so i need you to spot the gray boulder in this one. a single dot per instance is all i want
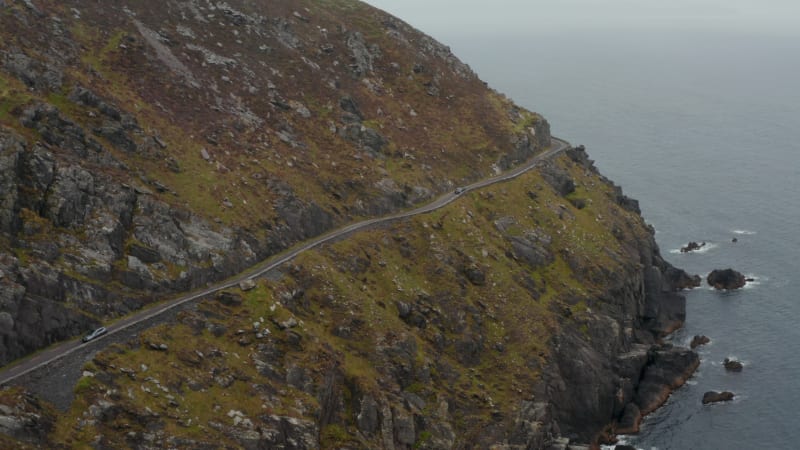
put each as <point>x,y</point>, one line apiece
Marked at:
<point>732,365</point>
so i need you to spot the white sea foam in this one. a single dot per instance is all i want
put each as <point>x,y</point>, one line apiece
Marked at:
<point>736,358</point>
<point>623,440</point>
<point>744,232</point>
<point>757,280</point>
<point>704,249</point>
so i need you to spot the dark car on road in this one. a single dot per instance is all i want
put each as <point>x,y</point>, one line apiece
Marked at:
<point>94,334</point>
<point>459,190</point>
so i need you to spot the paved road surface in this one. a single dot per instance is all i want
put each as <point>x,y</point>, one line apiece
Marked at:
<point>63,349</point>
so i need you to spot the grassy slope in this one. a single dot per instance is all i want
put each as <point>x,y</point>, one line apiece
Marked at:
<point>451,137</point>
<point>356,283</point>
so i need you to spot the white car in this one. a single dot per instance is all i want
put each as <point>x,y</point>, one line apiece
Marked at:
<point>94,334</point>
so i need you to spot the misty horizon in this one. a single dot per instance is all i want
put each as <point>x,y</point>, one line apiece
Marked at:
<point>444,18</point>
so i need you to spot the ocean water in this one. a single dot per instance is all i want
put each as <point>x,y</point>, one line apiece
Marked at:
<point>703,129</point>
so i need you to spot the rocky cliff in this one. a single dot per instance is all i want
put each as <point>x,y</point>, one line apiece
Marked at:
<point>152,148</point>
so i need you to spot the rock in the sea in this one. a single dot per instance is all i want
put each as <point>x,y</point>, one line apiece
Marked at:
<point>669,369</point>
<point>681,280</point>
<point>726,279</point>
<point>698,341</point>
<point>630,420</point>
<point>732,365</point>
<point>692,246</point>
<point>716,397</point>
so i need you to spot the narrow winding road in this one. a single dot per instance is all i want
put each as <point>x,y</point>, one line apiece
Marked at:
<point>64,349</point>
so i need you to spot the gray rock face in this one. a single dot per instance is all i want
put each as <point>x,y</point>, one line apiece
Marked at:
<point>32,72</point>
<point>349,105</point>
<point>534,427</point>
<point>144,254</point>
<point>367,138</point>
<point>368,418</point>
<point>531,252</point>
<point>620,372</point>
<point>404,433</point>
<point>362,55</point>
<point>87,218</point>
<point>559,180</point>
<point>526,143</point>
<point>24,421</point>
<point>116,133</point>
<point>287,432</point>
<point>86,97</point>
<point>667,369</point>
<point>58,131</point>
<point>71,196</point>
<point>10,151</point>
<point>30,319</point>
<point>303,220</point>
<point>282,30</point>
<point>531,246</point>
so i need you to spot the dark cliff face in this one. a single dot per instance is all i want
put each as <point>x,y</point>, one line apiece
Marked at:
<point>154,148</point>
<point>610,368</point>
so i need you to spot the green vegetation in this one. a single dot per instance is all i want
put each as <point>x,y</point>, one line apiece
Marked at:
<point>344,302</point>
<point>84,384</point>
<point>424,437</point>
<point>334,436</point>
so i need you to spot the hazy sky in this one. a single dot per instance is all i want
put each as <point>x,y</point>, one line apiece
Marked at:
<point>452,17</point>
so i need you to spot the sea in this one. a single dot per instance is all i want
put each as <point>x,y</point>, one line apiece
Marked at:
<point>703,128</point>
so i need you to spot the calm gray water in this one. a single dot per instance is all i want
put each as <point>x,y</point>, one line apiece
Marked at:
<point>703,129</point>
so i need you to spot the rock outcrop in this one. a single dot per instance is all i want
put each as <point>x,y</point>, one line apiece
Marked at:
<point>79,229</point>
<point>717,397</point>
<point>617,364</point>
<point>24,418</point>
<point>732,365</point>
<point>692,246</point>
<point>726,279</point>
<point>699,340</point>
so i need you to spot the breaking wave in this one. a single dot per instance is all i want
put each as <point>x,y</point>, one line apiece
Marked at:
<point>704,249</point>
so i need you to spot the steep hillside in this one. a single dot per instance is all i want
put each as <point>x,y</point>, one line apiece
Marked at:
<point>525,315</point>
<point>152,147</point>
<point>149,148</point>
